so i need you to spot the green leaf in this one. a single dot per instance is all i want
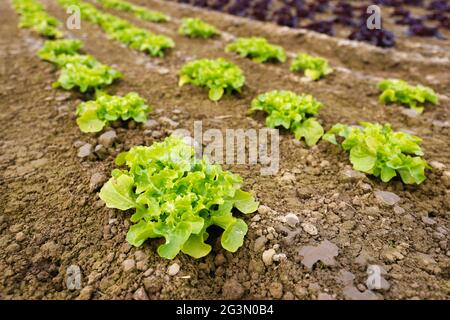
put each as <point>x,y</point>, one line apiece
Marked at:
<point>175,239</point>
<point>118,193</point>
<point>233,236</point>
<point>215,94</point>
<point>311,130</point>
<point>140,232</point>
<point>245,202</point>
<point>196,247</point>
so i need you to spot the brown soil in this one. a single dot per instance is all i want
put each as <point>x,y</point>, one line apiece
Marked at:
<point>50,219</point>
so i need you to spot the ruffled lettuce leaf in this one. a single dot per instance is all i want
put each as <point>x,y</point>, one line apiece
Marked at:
<point>378,150</point>
<point>177,197</point>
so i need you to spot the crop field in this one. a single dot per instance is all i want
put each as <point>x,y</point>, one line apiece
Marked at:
<point>224,149</point>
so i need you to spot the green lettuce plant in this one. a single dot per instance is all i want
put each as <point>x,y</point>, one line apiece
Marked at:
<point>77,70</point>
<point>399,91</point>
<point>86,73</point>
<point>219,75</point>
<point>34,16</point>
<point>177,197</point>
<point>141,12</point>
<point>93,115</point>
<point>122,30</point>
<point>378,150</point>
<point>313,67</point>
<point>258,49</point>
<point>59,48</point>
<point>197,28</point>
<point>291,111</point>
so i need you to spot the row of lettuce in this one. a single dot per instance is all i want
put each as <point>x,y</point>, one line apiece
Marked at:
<point>175,195</point>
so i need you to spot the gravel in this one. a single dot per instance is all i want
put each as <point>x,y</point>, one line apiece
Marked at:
<point>129,265</point>
<point>173,269</point>
<point>259,243</point>
<point>291,219</point>
<point>97,180</point>
<point>267,256</point>
<point>386,197</point>
<point>108,138</point>
<point>309,228</point>
<point>85,150</point>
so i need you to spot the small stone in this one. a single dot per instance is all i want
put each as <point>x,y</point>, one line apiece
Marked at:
<point>173,269</point>
<point>309,228</point>
<point>169,122</point>
<point>140,294</point>
<point>441,124</point>
<point>263,210</point>
<point>279,257</point>
<point>97,180</point>
<point>276,290</point>
<point>150,124</point>
<point>129,265</point>
<point>85,150</point>
<point>386,197</point>
<point>352,175</point>
<point>288,178</point>
<point>232,290</point>
<point>85,293</point>
<point>141,265</point>
<point>291,219</point>
<point>428,221</point>
<point>108,138</point>
<point>20,236</point>
<point>391,255</point>
<point>267,256</point>
<point>259,243</point>
<point>256,218</point>
<point>437,165</point>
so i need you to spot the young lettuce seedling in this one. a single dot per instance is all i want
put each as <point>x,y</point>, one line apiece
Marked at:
<point>94,115</point>
<point>314,67</point>
<point>257,49</point>
<point>196,28</point>
<point>291,111</point>
<point>219,75</point>
<point>77,70</point>
<point>122,30</point>
<point>33,16</point>
<point>177,197</point>
<point>140,12</point>
<point>378,150</point>
<point>394,90</point>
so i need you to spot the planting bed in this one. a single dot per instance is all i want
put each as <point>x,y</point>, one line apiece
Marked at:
<point>51,216</point>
